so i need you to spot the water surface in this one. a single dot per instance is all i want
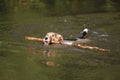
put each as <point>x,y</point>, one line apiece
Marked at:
<point>21,59</point>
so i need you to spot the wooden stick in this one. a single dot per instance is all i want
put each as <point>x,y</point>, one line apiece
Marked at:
<point>92,47</point>
<point>63,43</point>
<point>38,39</point>
<point>34,39</point>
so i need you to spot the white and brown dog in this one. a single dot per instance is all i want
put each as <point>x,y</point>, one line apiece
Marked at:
<point>52,37</point>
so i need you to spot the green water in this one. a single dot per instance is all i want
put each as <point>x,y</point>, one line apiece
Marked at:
<point>21,59</point>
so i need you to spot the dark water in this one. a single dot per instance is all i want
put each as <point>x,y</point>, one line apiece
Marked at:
<point>21,59</point>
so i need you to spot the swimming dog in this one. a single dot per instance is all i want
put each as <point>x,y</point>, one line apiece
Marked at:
<point>52,37</point>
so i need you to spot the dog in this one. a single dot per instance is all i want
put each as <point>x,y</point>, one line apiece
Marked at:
<point>84,33</point>
<point>52,37</point>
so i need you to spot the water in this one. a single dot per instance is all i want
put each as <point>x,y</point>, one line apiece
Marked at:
<point>21,59</point>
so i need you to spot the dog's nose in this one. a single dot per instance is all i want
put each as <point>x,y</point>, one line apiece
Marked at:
<point>46,38</point>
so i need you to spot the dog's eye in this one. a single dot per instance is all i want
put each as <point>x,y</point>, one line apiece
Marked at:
<point>53,35</point>
<point>46,38</point>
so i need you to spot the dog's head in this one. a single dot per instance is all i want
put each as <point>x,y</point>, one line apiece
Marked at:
<point>52,37</point>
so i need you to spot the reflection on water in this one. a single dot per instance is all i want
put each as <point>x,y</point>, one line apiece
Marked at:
<point>30,60</point>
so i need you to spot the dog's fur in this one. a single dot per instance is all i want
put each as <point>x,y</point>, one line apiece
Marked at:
<point>52,37</point>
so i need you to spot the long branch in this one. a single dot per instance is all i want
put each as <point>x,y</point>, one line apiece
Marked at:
<point>63,43</point>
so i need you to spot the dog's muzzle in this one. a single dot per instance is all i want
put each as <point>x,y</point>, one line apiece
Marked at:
<point>46,40</point>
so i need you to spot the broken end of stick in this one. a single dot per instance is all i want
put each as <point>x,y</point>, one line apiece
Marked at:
<point>29,38</point>
<point>26,37</point>
<point>106,50</point>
